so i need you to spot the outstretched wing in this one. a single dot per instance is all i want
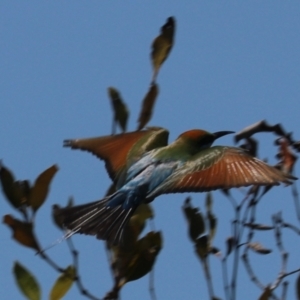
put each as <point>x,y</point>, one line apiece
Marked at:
<point>120,151</point>
<point>221,168</point>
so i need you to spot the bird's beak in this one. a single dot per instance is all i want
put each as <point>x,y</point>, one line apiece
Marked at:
<point>219,134</point>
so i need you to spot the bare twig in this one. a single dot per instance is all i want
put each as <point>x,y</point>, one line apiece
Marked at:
<point>151,285</point>
<point>77,277</point>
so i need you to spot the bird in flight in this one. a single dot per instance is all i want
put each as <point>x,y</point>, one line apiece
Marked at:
<point>143,166</point>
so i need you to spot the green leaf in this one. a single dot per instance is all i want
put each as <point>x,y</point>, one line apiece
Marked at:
<point>142,262</point>
<point>26,282</point>
<point>63,284</point>
<point>143,212</point>
<point>119,107</point>
<point>22,232</point>
<point>147,106</point>
<point>16,192</point>
<point>162,45</point>
<point>40,189</point>
<point>136,225</point>
<point>195,220</point>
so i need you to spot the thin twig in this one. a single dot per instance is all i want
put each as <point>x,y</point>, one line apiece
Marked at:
<point>77,278</point>
<point>225,278</point>
<point>284,255</point>
<point>285,285</point>
<point>151,285</point>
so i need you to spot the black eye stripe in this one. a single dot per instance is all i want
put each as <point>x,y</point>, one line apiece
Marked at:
<point>207,140</point>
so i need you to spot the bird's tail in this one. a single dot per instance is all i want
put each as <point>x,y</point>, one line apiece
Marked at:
<point>98,218</point>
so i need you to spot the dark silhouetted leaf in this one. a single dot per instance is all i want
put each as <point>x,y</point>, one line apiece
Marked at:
<point>26,282</point>
<point>298,287</point>
<point>147,106</point>
<point>286,156</point>
<point>162,45</point>
<point>55,217</point>
<point>16,192</point>
<point>22,232</point>
<point>266,295</point>
<point>230,243</point>
<point>261,126</point>
<point>195,220</point>
<point>202,247</point>
<point>40,189</point>
<point>136,225</point>
<point>142,262</point>
<point>212,221</point>
<point>208,202</point>
<point>259,226</point>
<point>258,248</point>
<point>119,107</point>
<point>250,145</point>
<point>215,251</point>
<point>63,284</point>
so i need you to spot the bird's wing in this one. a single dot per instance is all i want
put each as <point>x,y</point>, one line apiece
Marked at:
<point>120,151</point>
<point>221,168</point>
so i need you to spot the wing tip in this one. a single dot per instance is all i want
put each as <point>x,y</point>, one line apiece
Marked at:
<point>69,143</point>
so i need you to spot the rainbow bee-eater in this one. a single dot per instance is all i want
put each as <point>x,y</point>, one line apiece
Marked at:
<point>143,166</point>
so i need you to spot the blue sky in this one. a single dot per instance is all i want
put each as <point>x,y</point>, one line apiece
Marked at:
<point>233,63</point>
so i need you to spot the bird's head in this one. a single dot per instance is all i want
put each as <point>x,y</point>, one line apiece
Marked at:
<point>201,139</point>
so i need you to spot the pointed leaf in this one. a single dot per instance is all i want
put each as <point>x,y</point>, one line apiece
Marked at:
<point>230,243</point>
<point>195,220</point>
<point>136,225</point>
<point>147,106</point>
<point>143,212</point>
<point>63,284</point>
<point>26,282</point>
<point>266,295</point>
<point>22,232</point>
<point>16,192</point>
<point>208,201</point>
<point>212,220</point>
<point>142,263</point>
<point>40,188</point>
<point>258,248</point>
<point>259,226</point>
<point>119,107</point>
<point>162,45</point>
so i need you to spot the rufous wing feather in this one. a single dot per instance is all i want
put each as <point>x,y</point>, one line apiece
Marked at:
<point>221,167</point>
<point>118,150</point>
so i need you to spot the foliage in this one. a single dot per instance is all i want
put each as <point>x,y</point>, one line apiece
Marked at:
<point>136,257</point>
